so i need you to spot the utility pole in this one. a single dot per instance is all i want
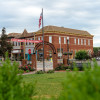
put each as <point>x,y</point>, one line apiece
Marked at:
<point>68,50</point>
<point>43,42</point>
<point>60,49</point>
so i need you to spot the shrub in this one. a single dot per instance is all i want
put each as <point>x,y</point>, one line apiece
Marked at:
<point>82,85</point>
<point>80,66</point>
<point>82,55</point>
<point>29,64</point>
<point>68,69</point>
<point>32,69</point>
<point>27,71</point>
<point>61,67</point>
<point>11,85</point>
<point>27,67</point>
<point>40,72</point>
<point>20,71</point>
<point>50,71</point>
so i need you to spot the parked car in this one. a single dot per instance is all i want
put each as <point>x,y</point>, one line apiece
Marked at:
<point>98,58</point>
<point>80,66</point>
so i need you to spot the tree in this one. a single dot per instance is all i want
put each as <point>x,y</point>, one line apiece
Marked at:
<point>82,86</point>
<point>4,44</point>
<point>81,55</point>
<point>12,86</point>
<point>96,51</point>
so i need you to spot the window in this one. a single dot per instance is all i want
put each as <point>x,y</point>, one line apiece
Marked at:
<point>28,43</point>
<point>88,42</point>
<point>84,42</point>
<point>19,43</point>
<point>64,40</point>
<point>59,40</point>
<point>78,41</point>
<point>58,49</point>
<point>16,43</point>
<point>13,43</point>
<point>38,38</point>
<point>42,38</point>
<point>50,39</point>
<point>75,41</point>
<point>31,43</point>
<point>81,41</point>
<point>68,40</point>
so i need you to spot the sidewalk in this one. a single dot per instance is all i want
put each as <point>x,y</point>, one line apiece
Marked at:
<point>29,73</point>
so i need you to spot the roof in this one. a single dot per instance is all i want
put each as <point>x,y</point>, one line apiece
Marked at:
<point>13,34</point>
<point>51,29</point>
<point>21,35</point>
<point>63,30</point>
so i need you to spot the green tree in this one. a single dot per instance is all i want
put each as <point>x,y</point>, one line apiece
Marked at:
<point>11,85</point>
<point>95,50</point>
<point>4,44</point>
<point>81,55</point>
<point>82,85</point>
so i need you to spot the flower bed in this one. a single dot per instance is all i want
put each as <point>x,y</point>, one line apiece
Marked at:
<point>61,67</point>
<point>26,68</point>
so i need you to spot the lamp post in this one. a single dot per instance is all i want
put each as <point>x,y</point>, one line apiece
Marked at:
<point>60,49</point>
<point>68,50</point>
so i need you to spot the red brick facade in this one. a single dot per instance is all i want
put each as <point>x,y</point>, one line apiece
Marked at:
<point>72,46</point>
<point>78,40</point>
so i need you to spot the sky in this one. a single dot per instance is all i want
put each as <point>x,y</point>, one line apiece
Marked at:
<point>17,15</point>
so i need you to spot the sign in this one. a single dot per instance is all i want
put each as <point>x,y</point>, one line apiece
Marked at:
<point>23,40</point>
<point>59,54</point>
<point>16,51</point>
<point>29,51</point>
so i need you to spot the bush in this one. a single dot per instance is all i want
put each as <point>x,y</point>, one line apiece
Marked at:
<point>11,85</point>
<point>40,72</point>
<point>32,69</point>
<point>50,71</point>
<point>61,67</point>
<point>68,69</point>
<point>82,85</point>
<point>27,71</point>
<point>80,66</point>
<point>20,71</point>
<point>82,55</point>
<point>26,67</point>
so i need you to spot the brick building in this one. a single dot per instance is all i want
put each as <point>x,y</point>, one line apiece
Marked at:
<point>63,39</point>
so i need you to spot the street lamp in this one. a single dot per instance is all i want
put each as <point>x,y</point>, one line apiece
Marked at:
<point>68,50</point>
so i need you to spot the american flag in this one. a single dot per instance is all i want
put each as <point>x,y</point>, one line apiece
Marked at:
<point>40,20</point>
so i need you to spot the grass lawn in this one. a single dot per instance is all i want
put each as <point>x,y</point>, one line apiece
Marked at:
<point>47,85</point>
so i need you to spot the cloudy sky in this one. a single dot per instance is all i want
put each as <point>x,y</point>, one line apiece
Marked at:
<point>16,15</point>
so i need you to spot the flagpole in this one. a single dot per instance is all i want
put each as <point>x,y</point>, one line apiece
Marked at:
<point>43,42</point>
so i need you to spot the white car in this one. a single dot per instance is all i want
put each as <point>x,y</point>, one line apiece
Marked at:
<point>98,58</point>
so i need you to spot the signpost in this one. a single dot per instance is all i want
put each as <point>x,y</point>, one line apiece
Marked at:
<point>29,51</point>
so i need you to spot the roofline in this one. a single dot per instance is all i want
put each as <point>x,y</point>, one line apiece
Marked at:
<point>67,33</point>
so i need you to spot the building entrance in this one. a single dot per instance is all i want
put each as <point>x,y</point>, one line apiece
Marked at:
<point>54,55</point>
